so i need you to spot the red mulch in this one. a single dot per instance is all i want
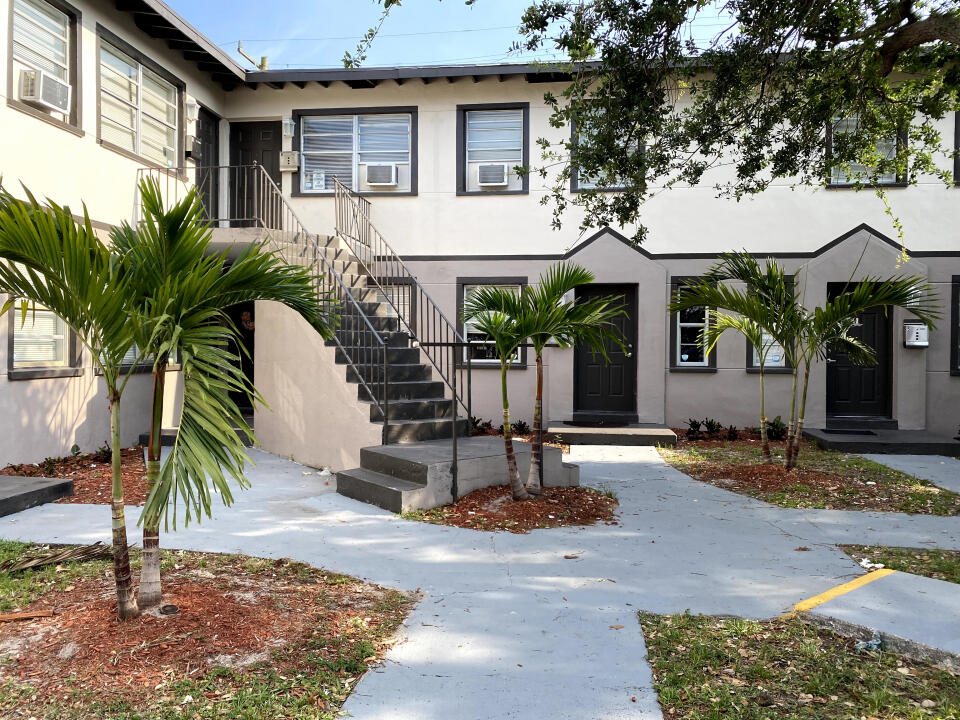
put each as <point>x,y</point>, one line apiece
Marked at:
<point>493,508</point>
<point>227,617</point>
<point>91,475</point>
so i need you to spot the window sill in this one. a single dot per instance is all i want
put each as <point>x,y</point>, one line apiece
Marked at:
<point>140,369</point>
<point>178,173</point>
<point>678,369</point>
<point>578,190</point>
<point>42,373</point>
<point>865,186</point>
<point>491,366</point>
<point>492,193</point>
<point>40,115</point>
<point>770,371</point>
<point>362,193</point>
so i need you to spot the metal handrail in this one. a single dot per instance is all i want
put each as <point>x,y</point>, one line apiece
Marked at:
<point>255,200</point>
<point>418,312</point>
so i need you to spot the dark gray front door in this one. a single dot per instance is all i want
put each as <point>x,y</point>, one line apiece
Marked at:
<point>252,143</point>
<point>858,390</point>
<point>606,390</point>
<point>208,176</point>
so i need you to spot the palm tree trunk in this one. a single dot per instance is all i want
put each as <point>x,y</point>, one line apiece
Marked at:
<point>794,450</point>
<point>793,412</point>
<point>764,440</point>
<point>126,602</point>
<point>151,590</point>
<point>536,449</point>
<point>516,486</point>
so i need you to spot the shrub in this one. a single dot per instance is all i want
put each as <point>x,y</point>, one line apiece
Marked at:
<point>732,432</point>
<point>713,427</point>
<point>693,428</point>
<point>520,427</point>
<point>776,429</point>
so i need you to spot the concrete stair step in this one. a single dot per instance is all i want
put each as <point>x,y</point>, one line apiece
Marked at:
<point>396,372</point>
<point>428,408</point>
<point>408,390</point>
<point>353,322</point>
<point>19,493</point>
<point>394,354</point>
<point>384,491</point>
<point>406,431</point>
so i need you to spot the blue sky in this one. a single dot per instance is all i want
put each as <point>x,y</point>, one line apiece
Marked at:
<point>315,33</point>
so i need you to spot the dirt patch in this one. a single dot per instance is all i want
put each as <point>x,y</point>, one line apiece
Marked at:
<point>91,475</point>
<point>493,508</point>
<point>83,649</point>
<point>822,478</point>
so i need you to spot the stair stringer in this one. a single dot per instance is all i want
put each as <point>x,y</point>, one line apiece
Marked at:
<point>313,414</point>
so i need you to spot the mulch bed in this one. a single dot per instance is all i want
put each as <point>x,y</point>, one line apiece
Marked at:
<point>525,437</point>
<point>493,508</point>
<point>91,475</point>
<point>228,617</point>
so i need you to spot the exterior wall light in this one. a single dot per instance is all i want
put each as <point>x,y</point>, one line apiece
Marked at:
<point>193,110</point>
<point>289,127</point>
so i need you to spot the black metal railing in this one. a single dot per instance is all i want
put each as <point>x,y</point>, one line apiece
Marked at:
<point>419,315</point>
<point>252,199</point>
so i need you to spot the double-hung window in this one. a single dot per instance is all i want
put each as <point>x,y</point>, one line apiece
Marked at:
<point>955,326</point>
<point>775,356</point>
<point>482,350</point>
<point>493,144</point>
<point>367,152</point>
<point>688,345</point>
<point>43,37</point>
<point>139,109</point>
<point>579,180</point>
<point>41,340</point>
<point>850,173</point>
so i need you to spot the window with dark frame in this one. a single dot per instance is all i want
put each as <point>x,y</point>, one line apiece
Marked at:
<point>843,176</point>
<point>44,38</point>
<point>578,181</point>
<point>776,361</point>
<point>688,347</point>
<point>482,352</point>
<point>39,344</point>
<point>492,143</point>
<point>955,326</point>
<point>368,151</point>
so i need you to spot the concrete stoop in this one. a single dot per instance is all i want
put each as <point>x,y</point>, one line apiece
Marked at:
<point>19,493</point>
<point>632,434</point>
<point>416,476</point>
<point>886,441</point>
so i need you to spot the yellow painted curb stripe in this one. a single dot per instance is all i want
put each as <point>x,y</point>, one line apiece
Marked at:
<point>839,590</point>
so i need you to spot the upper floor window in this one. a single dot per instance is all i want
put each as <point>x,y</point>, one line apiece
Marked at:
<point>41,340</point>
<point>849,174</point>
<point>493,144</point>
<point>367,152</point>
<point>44,58</point>
<point>139,109</point>
<point>688,348</point>
<point>579,180</point>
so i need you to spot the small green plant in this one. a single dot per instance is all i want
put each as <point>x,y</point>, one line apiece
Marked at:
<point>732,432</point>
<point>49,466</point>
<point>713,427</point>
<point>607,492</point>
<point>103,452</point>
<point>75,450</point>
<point>776,429</point>
<point>693,428</point>
<point>520,427</point>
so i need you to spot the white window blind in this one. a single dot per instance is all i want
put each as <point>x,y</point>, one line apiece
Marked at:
<point>482,349</point>
<point>341,146</point>
<point>41,340</point>
<point>691,347</point>
<point>857,172</point>
<point>138,108</point>
<point>775,355</point>
<point>41,37</point>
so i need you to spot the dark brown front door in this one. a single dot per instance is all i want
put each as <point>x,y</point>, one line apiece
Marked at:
<point>208,175</point>
<point>606,390</point>
<point>861,390</point>
<point>252,143</point>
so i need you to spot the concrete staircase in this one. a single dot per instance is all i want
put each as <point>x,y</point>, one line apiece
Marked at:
<point>416,406</point>
<point>416,476</point>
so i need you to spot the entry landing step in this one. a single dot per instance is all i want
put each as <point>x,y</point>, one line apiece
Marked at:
<point>19,493</point>
<point>894,442</point>
<point>632,434</point>
<point>416,476</point>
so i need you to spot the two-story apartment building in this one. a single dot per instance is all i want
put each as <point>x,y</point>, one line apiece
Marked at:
<point>433,150</point>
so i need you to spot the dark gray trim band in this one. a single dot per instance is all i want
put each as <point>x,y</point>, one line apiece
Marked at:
<point>955,326</point>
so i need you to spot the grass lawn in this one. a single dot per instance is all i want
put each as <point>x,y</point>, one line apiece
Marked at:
<point>822,478</point>
<point>937,564</point>
<point>712,668</point>
<point>254,639</point>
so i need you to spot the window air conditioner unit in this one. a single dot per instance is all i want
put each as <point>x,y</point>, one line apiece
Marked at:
<point>492,175</point>
<point>43,89</point>
<point>384,174</point>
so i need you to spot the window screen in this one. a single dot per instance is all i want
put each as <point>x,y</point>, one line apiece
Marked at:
<point>856,172</point>
<point>481,348</point>
<point>41,340</point>
<point>41,37</point>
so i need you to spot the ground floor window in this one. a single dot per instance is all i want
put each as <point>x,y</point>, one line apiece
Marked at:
<point>688,348</point>
<point>955,326</point>
<point>39,340</point>
<point>776,358</point>
<point>481,350</point>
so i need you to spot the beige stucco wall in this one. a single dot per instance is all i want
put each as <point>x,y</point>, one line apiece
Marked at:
<point>314,416</point>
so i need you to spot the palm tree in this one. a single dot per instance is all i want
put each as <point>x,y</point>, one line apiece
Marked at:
<point>495,311</point>
<point>546,317</point>
<point>181,291</point>
<point>57,263</point>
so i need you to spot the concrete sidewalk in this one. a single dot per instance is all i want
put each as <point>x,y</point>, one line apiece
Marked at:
<point>938,469</point>
<point>509,627</point>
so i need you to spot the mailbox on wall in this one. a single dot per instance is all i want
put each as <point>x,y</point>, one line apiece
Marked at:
<point>915,334</point>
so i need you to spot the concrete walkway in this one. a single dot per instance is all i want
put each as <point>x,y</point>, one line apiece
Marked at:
<point>509,628</point>
<point>938,469</point>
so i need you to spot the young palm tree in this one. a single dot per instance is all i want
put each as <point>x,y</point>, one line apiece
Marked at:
<point>55,262</point>
<point>181,290</point>
<point>546,317</point>
<point>495,311</point>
